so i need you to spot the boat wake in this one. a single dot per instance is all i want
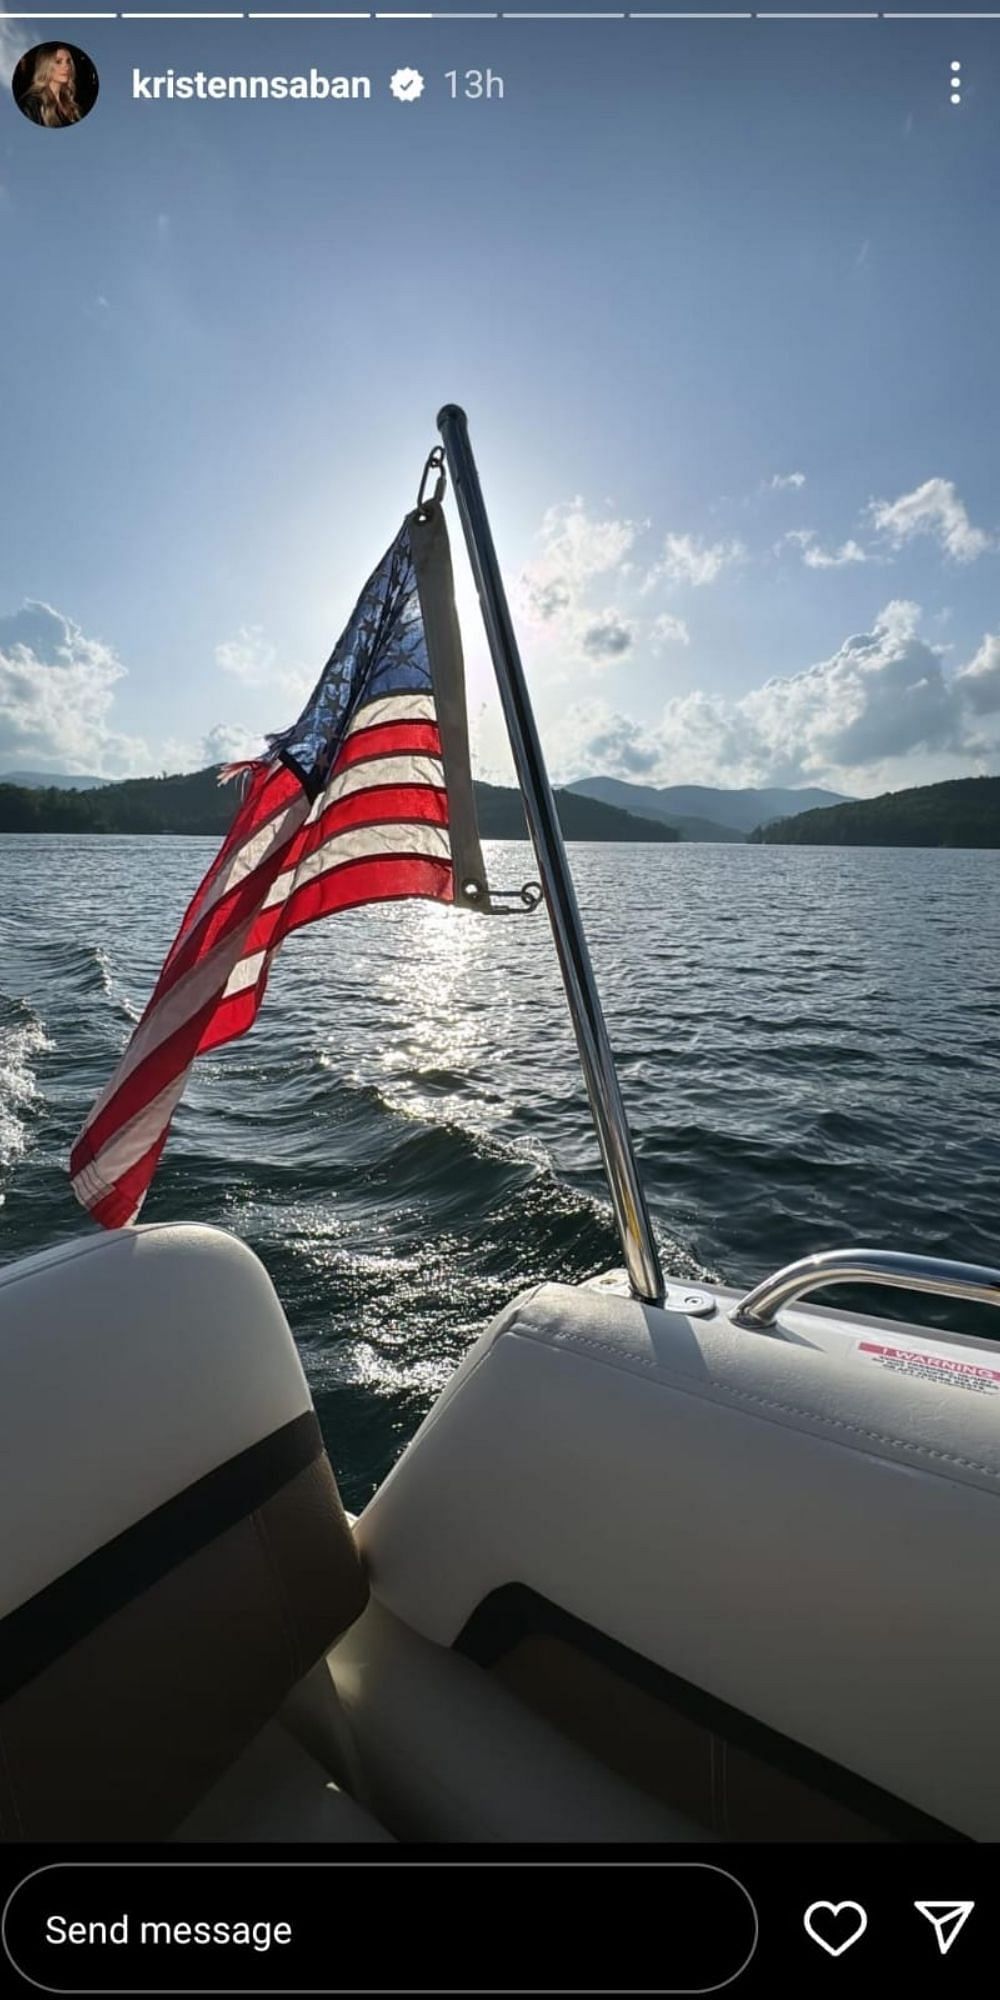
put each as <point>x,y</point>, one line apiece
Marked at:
<point>22,1039</point>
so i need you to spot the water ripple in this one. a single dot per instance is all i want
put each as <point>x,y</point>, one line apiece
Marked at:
<point>807,1041</point>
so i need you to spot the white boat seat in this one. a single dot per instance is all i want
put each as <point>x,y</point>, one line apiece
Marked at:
<point>277,1791</point>
<point>182,1558</point>
<point>786,1534</point>
<point>449,1755</point>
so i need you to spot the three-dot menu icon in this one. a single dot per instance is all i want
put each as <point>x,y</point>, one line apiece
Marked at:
<point>955,79</point>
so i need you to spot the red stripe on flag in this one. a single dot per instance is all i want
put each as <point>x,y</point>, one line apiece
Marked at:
<point>364,807</point>
<point>371,806</point>
<point>235,1015</point>
<point>273,924</point>
<point>117,1207</point>
<point>343,887</point>
<point>234,907</point>
<point>374,805</point>
<point>389,739</point>
<point>175,1053</point>
<point>271,792</point>
<point>387,880</point>
<point>347,886</point>
<point>424,803</point>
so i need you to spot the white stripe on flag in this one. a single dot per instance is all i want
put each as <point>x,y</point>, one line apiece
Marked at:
<point>88,1185</point>
<point>372,771</point>
<point>360,843</point>
<point>187,996</point>
<point>131,1141</point>
<point>215,973</point>
<point>275,832</point>
<point>245,974</point>
<point>392,708</point>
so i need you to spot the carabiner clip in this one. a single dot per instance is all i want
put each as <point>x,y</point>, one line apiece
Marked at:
<point>435,463</point>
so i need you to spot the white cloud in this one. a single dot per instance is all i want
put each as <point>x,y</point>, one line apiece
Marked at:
<point>979,682</point>
<point>57,688</point>
<point>230,743</point>
<point>690,559</point>
<point>546,597</point>
<point>607,635</point>
<point>882,694</point>
<point>932,509</point>
<point>576,549</point>
<point>599,742</point>
<point>848,552</point>
<point>815,557</point>
<point>669,631</point>
<point>782,482</point>
<point>179,753</point>
<point>249,657</point>
<point>579,551</point>
<point>582,547</point>
<point>850,721</point>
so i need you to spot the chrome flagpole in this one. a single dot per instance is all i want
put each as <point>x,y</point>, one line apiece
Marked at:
<point>631,1214</point>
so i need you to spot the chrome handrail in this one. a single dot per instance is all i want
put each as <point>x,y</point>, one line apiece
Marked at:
<point>866,1267</point>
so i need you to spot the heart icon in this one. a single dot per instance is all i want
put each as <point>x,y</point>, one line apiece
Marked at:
<point>829,1914</point>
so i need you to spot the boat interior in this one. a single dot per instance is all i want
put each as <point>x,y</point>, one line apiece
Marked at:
<point>706,1571</point>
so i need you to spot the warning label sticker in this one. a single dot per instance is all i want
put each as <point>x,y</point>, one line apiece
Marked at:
<point>932,1367</point>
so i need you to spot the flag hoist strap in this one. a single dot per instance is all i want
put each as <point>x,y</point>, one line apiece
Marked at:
<point>435,584</point>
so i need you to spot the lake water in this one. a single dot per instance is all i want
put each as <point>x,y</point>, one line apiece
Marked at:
<point>807,1040</point>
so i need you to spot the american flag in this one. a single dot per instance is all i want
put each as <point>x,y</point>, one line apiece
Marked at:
<point>367,799</point>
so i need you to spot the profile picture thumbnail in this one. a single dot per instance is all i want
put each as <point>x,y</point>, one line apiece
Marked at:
<point>55,84</point>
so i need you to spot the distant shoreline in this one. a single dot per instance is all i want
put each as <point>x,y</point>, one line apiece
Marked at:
<point>202,833</point>
<point>522,840</point>
<point>958,813</point>
<point>194,803</point>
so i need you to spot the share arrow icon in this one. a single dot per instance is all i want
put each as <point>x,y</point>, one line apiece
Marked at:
<point>947,1919</point>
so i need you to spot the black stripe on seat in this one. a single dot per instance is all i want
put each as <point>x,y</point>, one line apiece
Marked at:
<point>46,1625</point>
<point>515,1611</point>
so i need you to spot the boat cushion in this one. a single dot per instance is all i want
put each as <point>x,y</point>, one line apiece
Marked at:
<point>277,1791</point>
<point>182,1556</point>
<point>773,1520</point>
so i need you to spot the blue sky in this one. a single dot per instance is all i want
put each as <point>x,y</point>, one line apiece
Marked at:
<point>722,301</point>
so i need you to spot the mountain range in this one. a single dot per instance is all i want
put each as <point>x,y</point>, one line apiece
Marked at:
<point>53,781</point>
<point>704,812</point>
